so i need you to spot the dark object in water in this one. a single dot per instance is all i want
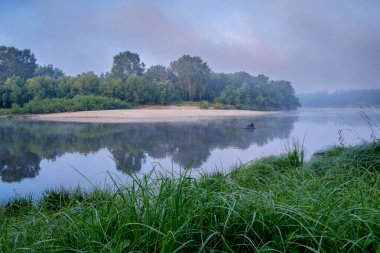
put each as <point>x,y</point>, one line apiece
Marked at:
<point>250,126</point>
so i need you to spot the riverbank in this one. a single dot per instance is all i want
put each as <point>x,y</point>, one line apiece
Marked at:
<point>278,203</point>
<point>145,114</point>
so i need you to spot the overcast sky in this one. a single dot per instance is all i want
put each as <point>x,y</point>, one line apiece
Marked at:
<point>317,45</point>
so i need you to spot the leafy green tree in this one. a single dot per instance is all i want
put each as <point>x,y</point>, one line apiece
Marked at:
<point>238,78</point>
<point>244,93</point>
<point>159,73</point>
<point>5,96</point>
<point>18,94</point>
<point>217,82</point>
<point>15,62</point>
<point>126,64</point>
<point>41,87</point>
<point>192,74</point>
<point>64,87</point>
<point>115,88</point>
<point>262,80</point>
<point>49,70</point>
<point>85,84</point>
<point>167,93</point>
<point>289,100</point>
<point>139,91</point>
<point>229,96</point>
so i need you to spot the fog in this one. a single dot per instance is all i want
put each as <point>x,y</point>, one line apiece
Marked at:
<point>346,98</point>
<point>317,45</point>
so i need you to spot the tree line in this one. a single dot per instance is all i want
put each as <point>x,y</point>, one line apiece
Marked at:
<point>25,85</point>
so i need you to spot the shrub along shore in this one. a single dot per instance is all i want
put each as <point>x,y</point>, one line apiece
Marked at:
<point>277,204</point>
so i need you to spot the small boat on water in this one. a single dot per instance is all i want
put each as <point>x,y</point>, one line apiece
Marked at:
<point>250,126</point>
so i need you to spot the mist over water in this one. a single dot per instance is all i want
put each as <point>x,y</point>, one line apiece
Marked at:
<point>35,156</point>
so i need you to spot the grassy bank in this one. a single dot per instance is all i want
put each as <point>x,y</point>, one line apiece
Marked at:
<point>277,204</point>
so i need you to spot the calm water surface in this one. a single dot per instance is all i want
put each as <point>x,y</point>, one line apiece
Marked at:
<point>35,156</point>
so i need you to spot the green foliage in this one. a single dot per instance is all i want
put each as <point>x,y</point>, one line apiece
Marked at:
<point>257,93</point>
<point>40,87</point>
<point>49,70</point>
<point>13,92</point>
<point>204,104</point>
<point>218,106</point>
<point>126,64</point>
<point>115,88</point>
<point>18,207</point>
<point>78,103</point>
<point>85,84</point>
<point>139,91</point>
<point>15,62</point>
<point>158,73</point>
<point>269,205</point>
<point>166,93</point>
<point>187,79</point>
<point>192,74</point>
<point>65,87</point>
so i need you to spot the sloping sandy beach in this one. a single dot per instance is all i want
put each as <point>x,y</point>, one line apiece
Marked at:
<point>147,114</point>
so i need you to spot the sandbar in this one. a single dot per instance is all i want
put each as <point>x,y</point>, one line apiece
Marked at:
<point>146,114</point>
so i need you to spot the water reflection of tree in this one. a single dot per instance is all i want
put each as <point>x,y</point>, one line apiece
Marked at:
<point>24,144</point>
<point>15,167</point>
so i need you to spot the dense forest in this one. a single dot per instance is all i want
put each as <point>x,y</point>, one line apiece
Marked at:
<point>26,87</point>
<point>341,98</point>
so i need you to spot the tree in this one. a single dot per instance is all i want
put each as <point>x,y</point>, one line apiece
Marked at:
<point>41,87</point>
<point>86,83</point>
<point>49,70</point>
<point>159,73</point>
<point>15,62</point>
<point>217,82</point>
<point>138,90</point>
<point>126,64</point>
<point>17,91</point>
<point>5,96</point>
<point>114,88</point>
<point>65,84</point>
<point>262,79</point>
<point>166,93</point>
<point>230,96</point>
<point>192,74</point>
<point>238,78</point>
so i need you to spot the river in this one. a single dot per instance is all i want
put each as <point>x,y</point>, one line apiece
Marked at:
<point>35,156</point>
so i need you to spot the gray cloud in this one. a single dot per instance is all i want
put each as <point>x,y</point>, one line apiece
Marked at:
<point>316,45</point>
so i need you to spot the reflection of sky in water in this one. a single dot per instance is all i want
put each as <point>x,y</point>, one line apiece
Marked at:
<point>213,145</point>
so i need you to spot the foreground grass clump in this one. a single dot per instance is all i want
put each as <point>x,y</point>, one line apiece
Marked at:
<point>277,204</point>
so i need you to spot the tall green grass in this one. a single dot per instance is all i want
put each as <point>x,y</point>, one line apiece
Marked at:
<point>277,204</point>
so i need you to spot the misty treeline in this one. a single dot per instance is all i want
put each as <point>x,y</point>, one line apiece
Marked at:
<point>340,98</point>
<point>27,87</point>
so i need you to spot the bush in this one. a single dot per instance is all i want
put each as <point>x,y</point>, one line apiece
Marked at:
<point>78,103</point>
<point>204,104</point>
<point>218,106</point>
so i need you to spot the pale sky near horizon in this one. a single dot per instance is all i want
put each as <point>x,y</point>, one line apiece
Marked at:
<point>317,44</point>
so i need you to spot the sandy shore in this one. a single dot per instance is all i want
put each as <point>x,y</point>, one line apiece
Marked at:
<point>147,114</point>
